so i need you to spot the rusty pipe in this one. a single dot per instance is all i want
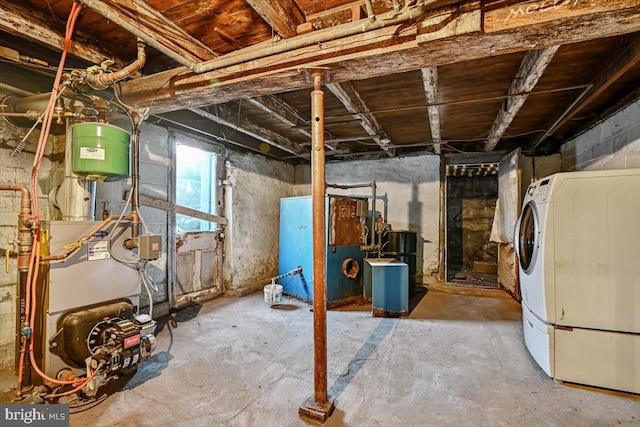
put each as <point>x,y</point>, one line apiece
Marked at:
<point>74,246</point>
<point>103,80</point>
<point>25,236</point>
<point>318,189</point>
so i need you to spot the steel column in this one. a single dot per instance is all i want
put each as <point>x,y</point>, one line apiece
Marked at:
<point>319,241</point>
<point>318,407</point>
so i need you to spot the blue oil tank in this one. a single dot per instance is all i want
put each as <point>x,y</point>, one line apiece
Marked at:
<point>296,249</point>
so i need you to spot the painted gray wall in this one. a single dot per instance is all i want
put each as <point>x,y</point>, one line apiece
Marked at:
<point>253,188</point>
<point>612,144</point>
<point>408,195</point>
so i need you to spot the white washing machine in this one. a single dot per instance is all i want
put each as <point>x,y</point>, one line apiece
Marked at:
<point>578,246</point>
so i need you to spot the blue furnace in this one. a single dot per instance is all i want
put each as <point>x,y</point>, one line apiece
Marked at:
<point>343,214</point>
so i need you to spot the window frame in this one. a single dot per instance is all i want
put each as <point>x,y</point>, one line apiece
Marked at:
<point>209,146</point>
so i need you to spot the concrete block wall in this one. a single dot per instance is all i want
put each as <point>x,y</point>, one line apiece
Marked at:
<point>253,188</point>
<point>612,144</point>
<point>16,170</point>
<point>408,195</point>
<point>155,170</point>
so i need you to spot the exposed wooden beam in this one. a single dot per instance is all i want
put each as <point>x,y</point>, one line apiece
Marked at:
<point>39,28</point>
<point>283,16</point>
<point>281,111</point>
<point>287,114</point>
<point>155,29</point>
<point>172,207</point>
<point>190,122</point>
<point>430,83</point>
<point>372,54</point>
<point>350,98</point>
<point>616,69</point>
<point>530,71</point>
<point>529,12</point>
<point>224,116</point>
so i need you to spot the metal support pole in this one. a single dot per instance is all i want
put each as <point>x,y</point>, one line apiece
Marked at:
<point>318,407</point>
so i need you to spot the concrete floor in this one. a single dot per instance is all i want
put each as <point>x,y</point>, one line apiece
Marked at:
<point>458,359</point>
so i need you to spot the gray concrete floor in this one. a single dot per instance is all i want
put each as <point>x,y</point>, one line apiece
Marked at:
<point>458,359</point>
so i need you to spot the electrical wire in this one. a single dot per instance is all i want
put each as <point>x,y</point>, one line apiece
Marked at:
<point>146,286</point>
<point>115,226</point>
<point>78,388</point>
<point>30,311</point>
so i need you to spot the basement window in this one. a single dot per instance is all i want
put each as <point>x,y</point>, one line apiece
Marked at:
<point>196,186</point>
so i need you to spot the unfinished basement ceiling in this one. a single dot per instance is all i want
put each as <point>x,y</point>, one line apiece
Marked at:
<point>458,76</point>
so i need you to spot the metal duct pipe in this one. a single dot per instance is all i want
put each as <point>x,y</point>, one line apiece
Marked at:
<point>28,103</point>
<point>24,111</point>
<point>312,38</point>
<point>25,237</point>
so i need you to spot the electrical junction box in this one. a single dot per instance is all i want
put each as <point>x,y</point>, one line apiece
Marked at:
<point>149,247</point>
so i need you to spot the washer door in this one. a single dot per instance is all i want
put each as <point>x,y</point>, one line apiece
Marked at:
<point>527,237</point>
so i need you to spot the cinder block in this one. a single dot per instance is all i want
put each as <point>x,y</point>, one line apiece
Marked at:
<point>619,143</point>
<point>152,173</point>
<point>157,191</point>
<point>633,161</point>
<point>632,147</point>
<point>614,162</point>
<point>602,150</point>
<point>152,134</point>
<point>155,153</point>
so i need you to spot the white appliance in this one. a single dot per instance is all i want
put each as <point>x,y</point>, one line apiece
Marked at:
<point>578,246</point>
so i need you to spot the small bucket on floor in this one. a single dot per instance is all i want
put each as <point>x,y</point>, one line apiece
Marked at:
<point>273,293</point>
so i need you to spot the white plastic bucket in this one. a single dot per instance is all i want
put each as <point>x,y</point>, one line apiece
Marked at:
<point>273,294</point>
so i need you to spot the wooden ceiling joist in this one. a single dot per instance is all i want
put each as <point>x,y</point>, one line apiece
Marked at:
<point>283,16</point>
<point>287,114</point>
<point>155,29</point>
<point>370,55</point>
<point>231,119</point>
<point>620,65</point>
<point>352,101</point>
<point>531,69</point>
<point>430,83</point>
<point>281,111</point>
<point>40,28</point>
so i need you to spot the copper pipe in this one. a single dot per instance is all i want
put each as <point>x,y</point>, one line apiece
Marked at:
<point>25,236</point>
<point>318,187</point>
<point>74,246</point>
<point>104,80</point>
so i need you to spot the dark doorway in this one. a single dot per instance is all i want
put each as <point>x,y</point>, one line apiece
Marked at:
<point>471,256</point>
